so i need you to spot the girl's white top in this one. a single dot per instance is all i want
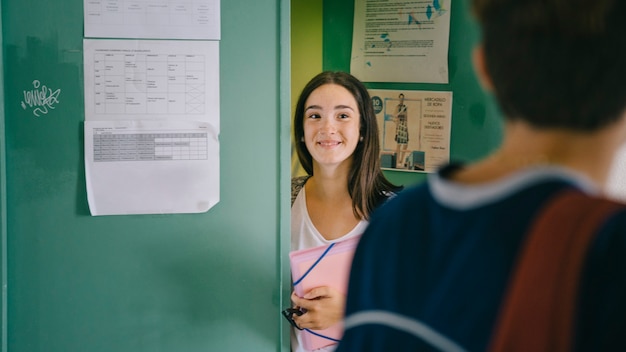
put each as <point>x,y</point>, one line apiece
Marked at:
<point>305,235</point>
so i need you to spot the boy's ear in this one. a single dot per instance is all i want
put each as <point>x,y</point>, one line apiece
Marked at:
<point>480,67</point>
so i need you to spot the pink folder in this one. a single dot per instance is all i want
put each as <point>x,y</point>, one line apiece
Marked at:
<point>327,265</point>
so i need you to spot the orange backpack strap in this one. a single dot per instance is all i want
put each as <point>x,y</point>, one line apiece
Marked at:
<point>538,311</point>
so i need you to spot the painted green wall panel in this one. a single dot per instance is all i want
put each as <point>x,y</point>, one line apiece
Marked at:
<point>306,54</point>
<point>3,212</point>
<point>187,282</point>
<point>476,124</point>
<point>306,43</point>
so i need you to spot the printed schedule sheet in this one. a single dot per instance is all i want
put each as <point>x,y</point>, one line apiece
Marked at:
<point>151,126</point>
<point>154,19</point>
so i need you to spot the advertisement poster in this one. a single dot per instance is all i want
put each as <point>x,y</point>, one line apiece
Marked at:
<point>414,128</point>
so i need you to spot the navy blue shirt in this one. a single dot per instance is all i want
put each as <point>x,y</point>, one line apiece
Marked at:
<point>430,270</point>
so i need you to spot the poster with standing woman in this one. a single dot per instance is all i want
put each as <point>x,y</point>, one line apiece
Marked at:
<point>414,128</point>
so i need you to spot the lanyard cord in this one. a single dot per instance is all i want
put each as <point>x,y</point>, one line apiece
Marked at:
<point>320,335</point>
<point>314,264</point>
<point>302,278</point>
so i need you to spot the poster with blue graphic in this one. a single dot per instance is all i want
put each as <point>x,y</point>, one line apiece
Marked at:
<point>401,41</point>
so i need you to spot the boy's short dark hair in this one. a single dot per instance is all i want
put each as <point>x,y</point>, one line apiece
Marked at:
<point>556,63</point>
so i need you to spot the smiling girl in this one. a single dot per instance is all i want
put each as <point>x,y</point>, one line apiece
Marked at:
<point>337,142</point>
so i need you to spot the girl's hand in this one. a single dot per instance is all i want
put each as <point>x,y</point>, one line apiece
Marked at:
<point>324,307</point>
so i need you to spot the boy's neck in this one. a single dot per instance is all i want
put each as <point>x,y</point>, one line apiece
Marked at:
<point>525,146</point>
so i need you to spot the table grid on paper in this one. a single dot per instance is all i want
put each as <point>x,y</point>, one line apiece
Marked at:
<point>150,146</point>
<point>137,83</point>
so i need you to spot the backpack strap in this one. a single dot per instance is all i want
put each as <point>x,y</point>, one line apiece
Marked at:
<point>538,311</point>
<point>296,185</point>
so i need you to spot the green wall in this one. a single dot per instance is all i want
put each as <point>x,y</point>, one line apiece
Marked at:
<point>3,213</point>
<point>476,124</point>
<point>306,54</point>
<point>214,281</point>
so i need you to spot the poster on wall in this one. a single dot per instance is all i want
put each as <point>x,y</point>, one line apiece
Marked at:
<point>414,128</point>
<point>152,115</point>
<point>152,19</point>
<point>151,126</point>
<point>401,41</point>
